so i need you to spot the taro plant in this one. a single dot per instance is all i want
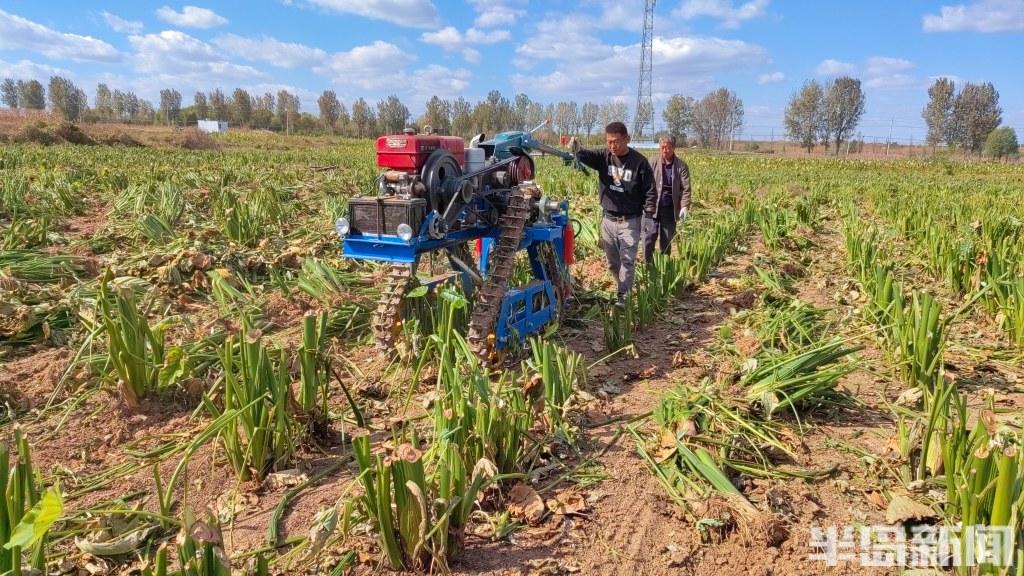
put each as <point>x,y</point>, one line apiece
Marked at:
<point>314,380</point>
<point>27,515</point>
<point>562,373</point>
<point>420,517</point>
<point>256,382</point>
<point>135,349</point>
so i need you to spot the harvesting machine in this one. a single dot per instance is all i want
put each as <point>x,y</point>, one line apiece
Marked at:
<point>434,197</point>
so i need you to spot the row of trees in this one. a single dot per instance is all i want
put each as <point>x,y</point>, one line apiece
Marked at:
<point>825,113</point>
<point>816,113</point>
<point>713,120</point>
<point>963,119</point>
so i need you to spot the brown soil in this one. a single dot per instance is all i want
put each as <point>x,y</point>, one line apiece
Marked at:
<point>628,526</point>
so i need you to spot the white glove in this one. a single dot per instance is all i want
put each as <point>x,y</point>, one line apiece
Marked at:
<point>682,213</point>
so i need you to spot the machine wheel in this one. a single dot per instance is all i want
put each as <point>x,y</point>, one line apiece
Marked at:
<point>488,301</point>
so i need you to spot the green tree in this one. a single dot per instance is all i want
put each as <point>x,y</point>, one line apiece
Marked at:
<point>437,115</point>
<point>9,93</point>
<point>717,116</point>
<point>976,113</point>
<point>66,99</point>
<point>218,105</point>
<point>200,106</point>
<point>844,107</point>
<point>805,115</point>
<point>170,105</point>
<point>462,117</point>
<point>678,115</point>
<point>241,107</point>
<point>364,120</point>
<point>1001,143</point>
<point>392,115</point>
<point>938,114</point>
<point>31,95</point>
<point>104,102</point>
<point>330,109</point>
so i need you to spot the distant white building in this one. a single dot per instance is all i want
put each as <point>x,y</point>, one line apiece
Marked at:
<point>213,126</point>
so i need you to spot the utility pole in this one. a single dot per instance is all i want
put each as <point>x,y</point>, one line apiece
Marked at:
<point>644,101</point>
<point>889,139</point>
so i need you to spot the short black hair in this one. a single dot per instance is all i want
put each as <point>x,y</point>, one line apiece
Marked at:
<point>616,128</point>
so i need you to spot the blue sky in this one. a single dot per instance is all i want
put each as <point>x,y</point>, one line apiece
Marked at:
<point>556,50</point>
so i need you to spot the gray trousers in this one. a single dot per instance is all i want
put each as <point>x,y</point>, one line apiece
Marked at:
<point>620,240</point>
<point>654,230</point>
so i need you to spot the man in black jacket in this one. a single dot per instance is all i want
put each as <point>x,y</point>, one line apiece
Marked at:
<point>627,192</point>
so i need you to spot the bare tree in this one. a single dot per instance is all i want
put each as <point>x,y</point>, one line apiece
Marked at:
<point>566,118</point>
<point>844,107</point>
<point>614,111</point>
<point>805,115</point>
<point>588,117</point>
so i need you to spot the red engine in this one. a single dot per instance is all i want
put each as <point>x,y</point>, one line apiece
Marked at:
<point>408,152</point>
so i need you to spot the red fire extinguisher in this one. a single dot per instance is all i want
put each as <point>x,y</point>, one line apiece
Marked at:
<point>568,241</point>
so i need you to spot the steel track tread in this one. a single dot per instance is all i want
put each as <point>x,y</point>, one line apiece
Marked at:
<point>487,304</point>
<point>387,318</point>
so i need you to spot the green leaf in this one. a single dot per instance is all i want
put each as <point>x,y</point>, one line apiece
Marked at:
<point>417,292</point>
<point>174,368</point>
<point>37,521</point>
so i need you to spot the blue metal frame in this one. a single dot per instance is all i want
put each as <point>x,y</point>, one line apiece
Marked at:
<point>520,315</point>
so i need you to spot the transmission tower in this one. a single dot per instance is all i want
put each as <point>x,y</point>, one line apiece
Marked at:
<point>644,113</point>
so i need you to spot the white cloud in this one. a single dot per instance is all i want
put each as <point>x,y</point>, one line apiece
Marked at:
<point>683,65</point>
<point>885,72</point>
<point>832,67</point>
<point>28,70</point>
<point>451,40</point>
<point>492,13</point>
<point>884,66</point>
<point>892,81</point>
<point>118,24</point>
<point>173,54</point>
<point>271,50</point>
<point>370,67</point>
<point>191,17</point>
<point>411,13</point>
<point>981,16</point>
<point>17,33</point>
<point>771,78</point>
<point>440,81</point>
<point>722,10</point>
